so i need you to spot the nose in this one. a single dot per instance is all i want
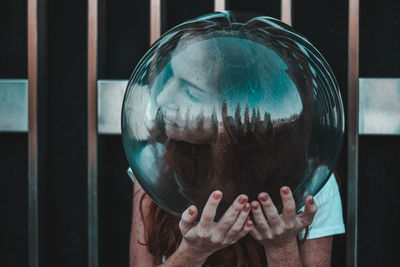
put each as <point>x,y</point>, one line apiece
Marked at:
<point>170,95</point>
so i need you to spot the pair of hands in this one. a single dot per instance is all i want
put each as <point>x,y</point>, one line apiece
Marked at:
<point>271,229</point>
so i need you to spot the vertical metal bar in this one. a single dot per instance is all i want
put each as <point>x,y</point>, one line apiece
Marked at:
<point>286,11</point>
<point>33,207</point>
<point>93,237</point>
<point>353,99</point>
<point>219,5</point>
<point>155,20</point>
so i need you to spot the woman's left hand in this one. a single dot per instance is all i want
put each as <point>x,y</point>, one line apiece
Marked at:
<point>275,230</point>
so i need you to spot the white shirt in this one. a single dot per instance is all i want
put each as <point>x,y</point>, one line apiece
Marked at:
<point>329,218</point>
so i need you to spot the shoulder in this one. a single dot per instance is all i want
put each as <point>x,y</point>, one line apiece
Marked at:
<point>329,191</point>
<point>329,218</point>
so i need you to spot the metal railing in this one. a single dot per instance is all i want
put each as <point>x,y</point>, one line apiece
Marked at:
<point>369,112</point>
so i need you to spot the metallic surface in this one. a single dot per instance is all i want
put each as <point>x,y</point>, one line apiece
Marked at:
<point>33,207</point>
<point>286,11</point>
<point>93,237</point>
<point>378,112</point>
<point>219,5</point>
<point>352,154</point>
<point>155,20</point>
<point>13,105</point>
<point>110,97</point>
<point>379,106</point>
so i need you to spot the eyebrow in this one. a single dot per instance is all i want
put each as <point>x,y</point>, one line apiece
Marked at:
<point>192,84</point>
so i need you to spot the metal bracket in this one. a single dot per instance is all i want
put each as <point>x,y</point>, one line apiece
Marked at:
<point>379,105</point>
<point>13,105</point>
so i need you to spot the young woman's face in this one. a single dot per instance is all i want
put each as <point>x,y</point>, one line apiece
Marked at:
<point>204,73</point>
<point>189,98</point>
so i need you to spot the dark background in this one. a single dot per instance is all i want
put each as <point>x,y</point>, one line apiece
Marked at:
<point>124,36</point>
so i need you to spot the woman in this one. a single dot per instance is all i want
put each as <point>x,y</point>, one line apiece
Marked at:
<point>206,150</point>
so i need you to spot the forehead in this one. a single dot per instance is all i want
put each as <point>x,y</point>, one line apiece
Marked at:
<point>196,61</point>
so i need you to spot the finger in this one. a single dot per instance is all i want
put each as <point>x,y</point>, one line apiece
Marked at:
<point>248,224</point>
<point>259,217</point>
<point>269,209</point>
<point>237,226</point>
<point>289,206</point>
<point>255,233</point>
<point>187,219</point>
<point>231,214</point>
<point>210,208</point>
<point>306,217</point>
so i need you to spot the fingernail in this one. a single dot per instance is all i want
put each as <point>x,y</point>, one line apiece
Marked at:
<point>191,211</point>
<point>246,207</point>
<point>242,199</point>
<point>254,205</point>
<point>217,195</point>
<point>312,201</point>
<point>263,197</point>
<point>285,190</point>
<point>249,223</point>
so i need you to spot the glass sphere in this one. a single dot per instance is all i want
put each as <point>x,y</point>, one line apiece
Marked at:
<point>233,102</point>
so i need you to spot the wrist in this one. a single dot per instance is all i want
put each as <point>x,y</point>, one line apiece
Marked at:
<point>290,244</point>
<point>287,253</point>
<point>196,257</point>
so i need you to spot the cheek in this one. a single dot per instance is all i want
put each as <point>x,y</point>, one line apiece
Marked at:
<point>170,97</point>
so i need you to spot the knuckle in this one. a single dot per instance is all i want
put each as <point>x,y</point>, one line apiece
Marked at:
<point>278,231</point>
<point>290,208</point>
<point>315,209</point>
<point>290,225</point>
<point>226,242</point>
<point>263,225</point>
<point>237,208</point>
<point>257,214</point>
<point>222,227</point>
<point>309,220</point>
<point>208,215</point>
<point>269,236</point>
<point>230,219</point>
<point>267,204</point>
<point>181,224</point>
<point>216,239</point>
<point>184,219</point>
<point>235,230</point>
<point>202,234</point>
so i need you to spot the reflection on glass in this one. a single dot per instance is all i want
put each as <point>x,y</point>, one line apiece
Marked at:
<point>231,102</point>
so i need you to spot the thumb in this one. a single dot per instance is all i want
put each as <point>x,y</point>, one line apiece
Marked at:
<point>187,219</point>
<point>307,216</point>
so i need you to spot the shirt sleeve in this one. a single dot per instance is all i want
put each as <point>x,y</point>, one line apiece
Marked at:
<point>329,218</point>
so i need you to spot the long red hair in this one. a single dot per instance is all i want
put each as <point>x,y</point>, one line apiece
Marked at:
<point>237,161</point>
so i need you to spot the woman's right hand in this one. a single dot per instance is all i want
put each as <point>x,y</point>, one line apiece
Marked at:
<point>205,237</point>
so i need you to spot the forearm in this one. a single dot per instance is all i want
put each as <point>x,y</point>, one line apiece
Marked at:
<point>288,256</point>
<point>185,257</point>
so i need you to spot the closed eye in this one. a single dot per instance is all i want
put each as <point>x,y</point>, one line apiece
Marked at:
<point>191,96</point>
<point>192,85</point>
<point>191,90</point>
